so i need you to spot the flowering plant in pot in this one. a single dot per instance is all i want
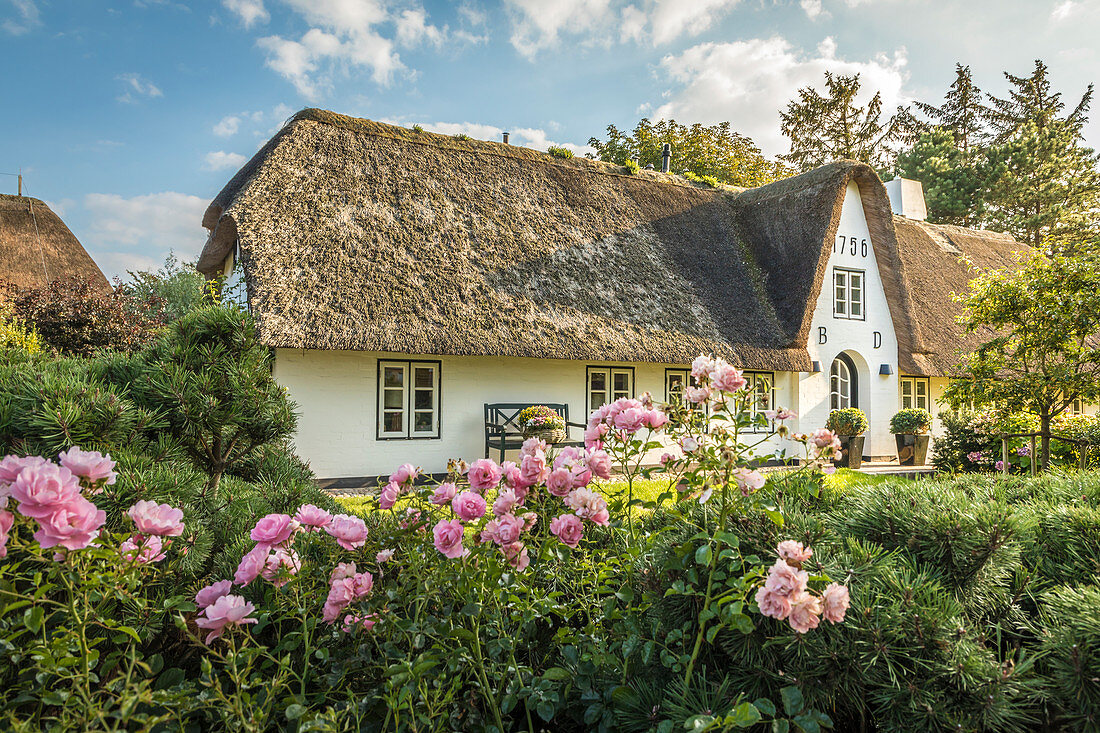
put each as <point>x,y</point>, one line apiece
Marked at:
<point>910,428</point>
<point>849,424</point>
<point>539,421</point>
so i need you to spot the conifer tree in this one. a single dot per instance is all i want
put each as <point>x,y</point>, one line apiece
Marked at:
<point>953,182</point>
<point>832,127</point>
<point>1030,100</point>
<point>962,113</point>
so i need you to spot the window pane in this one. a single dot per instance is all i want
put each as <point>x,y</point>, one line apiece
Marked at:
<point>424,399</point>
<point>425,377</point>
<point>393,376</point>
<point>622,381</point>
<point>597,381</point>
<point>422,422</point>
<point>597,399</point>
<point>922,388</point>
<point>906,402</point>
<point>393,399</point>
<point>907,386</point>
<point>393,422</point>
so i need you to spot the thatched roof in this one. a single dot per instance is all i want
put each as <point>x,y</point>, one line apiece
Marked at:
<point>37,248</point>
<point>358,235</point>
<point>940,261</point>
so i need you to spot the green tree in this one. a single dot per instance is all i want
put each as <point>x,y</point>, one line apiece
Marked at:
<point>832,127</point>
<point>175,289</point>
<point>714,150</point>
<point>954,184</point>
<point>962,113</point>
<point>1043,349</point>
<point>210,378</point>
<point>1030,100</point>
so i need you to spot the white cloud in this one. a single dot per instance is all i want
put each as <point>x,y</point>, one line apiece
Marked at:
<point>26,18</point>
<point>747,82</point>
<point>540,24</point>
<point>227,126</point>
<point>124,233</point>
<point>249,12</point>
<point>413,29</point>
<point>1064,10</point>
<point>220,160</point>
<point>136,86</point>
<point>812,8</point>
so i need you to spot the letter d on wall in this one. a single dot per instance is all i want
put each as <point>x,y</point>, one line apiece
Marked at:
<point>878,340</point>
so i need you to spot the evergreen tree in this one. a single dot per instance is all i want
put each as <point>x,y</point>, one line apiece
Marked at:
<point>716,151</point>
<point>962,112</point>
<point>953,183</point>
<point>827,128</point>
<point>1031,100</point>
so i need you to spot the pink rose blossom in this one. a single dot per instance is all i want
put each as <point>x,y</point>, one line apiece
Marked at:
<point>630,420</point>
<point>781,414</point>
<point>12,466</point>
<point>655,419</point>
<point>509,473</point>
<point>785,580</point>
<point>389,495</point>
<point>469,506</point>
<point>311,516</point>
<point>73,526</point>
<point>824,443</point>
<point>160,519</point>
<point>533,447</point>
<point>533,469</point>
<point>697,395</point>
<point>516,553</point>
<point>352,622</point>
<point>345,590</point>
<point>836,602</point>
<point>793,552</point>
<point>251,565</point>
<point>748,480</point>
<point>773,604</point>
<point>529,520</point>
<point>506,501</point>
<point>443,494</point>
<point>350,532</point>
<point>7,519</point>
<point>43,488</point>
<point>484,474</point>
<point>448,538</point>
<point>508,529</point>
<point>93,466</point>
<point>805,610</point>
<point>383,556</point>
<point>702,367</point>
<point>213,592</point>
<point>689,444</point>
<point>280,566</point>
<point>559,482</point>
<point>412,519</point>
<point>142,550</point>
<point>274,529</point>
<point>342,570</point>
<point>223,613</point>
<point>568,528</point>
<point>599,463</point>
<point>489,532</point>
<point>594,435</point>
<point>726,378</point>
<point>588,505</point>
<point>406,474</point>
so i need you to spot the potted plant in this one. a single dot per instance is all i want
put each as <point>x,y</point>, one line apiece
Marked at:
<point>539,421</point>
<point>910,429</point>
<point>849,424</point>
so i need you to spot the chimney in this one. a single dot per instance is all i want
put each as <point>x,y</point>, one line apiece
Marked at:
<point>666,157</point>
<point>505,138</point>
<point>907,198</point>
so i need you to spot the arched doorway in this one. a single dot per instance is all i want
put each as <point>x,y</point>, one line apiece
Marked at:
<point>843,383</point>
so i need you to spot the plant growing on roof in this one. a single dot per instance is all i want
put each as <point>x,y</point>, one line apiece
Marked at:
<point>558,151</point>
<point>417,128</point>
<point>848,421</point>
<point>910,421</point>
<point>631,167</point>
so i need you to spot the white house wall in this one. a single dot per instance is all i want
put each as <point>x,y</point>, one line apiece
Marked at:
<point>336,393</point>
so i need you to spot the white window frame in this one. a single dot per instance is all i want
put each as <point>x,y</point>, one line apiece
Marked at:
<point>673,375</point>
<point>610,393</point>
<point>408,409</point>
<point>914,396</point>
<point>836,399</point>
<point>761,384</point>
<point>845,280</point>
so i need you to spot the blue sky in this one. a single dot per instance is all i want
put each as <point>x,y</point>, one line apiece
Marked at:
<point>129,116</point>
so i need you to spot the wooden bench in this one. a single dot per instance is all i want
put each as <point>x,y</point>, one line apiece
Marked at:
<point>502,432</point>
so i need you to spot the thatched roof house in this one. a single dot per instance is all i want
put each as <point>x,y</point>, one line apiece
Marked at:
<point>37,248</point>
<point>357,236</point>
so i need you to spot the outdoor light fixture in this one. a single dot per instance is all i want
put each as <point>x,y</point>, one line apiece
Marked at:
<point>815,367</point>
<point>885,370</point>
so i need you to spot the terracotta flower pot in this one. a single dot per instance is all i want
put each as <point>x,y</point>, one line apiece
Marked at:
<point>851,451</point>
<point>912,449</point>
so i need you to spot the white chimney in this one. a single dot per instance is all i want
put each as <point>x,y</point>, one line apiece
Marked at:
<point>907,198</point>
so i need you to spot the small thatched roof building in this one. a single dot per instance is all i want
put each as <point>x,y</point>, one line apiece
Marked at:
<point>37,248</point>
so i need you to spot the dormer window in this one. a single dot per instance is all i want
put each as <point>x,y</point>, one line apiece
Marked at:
<point>848,298</point>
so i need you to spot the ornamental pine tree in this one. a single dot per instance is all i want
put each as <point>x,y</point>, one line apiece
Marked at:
<point>826,128</point>
<point>962,113</point>
<point>953,182</point>
<point>1031,100</point>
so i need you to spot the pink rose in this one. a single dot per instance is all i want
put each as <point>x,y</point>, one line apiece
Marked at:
<point>309,515</point>
<point>697,395</point>
<point>631,419</point>
<point>484,474</point>
<point>781,414</point>
<point>785,580</point>
<point>793,552</point>
<point>568,528</point>
<point>489,532</point>
<point>516,553</point>
<point>352,622</point>
<point>93,466</point>
<point>43,488</point>
<point>559,482</point>
<point>824,443</point>
<point>506,501</point>
<point>599,463</point>
<point>213,592</point>
<point>805,609</point>
<point>223,613</point>
<point>509,473</point>
<point>469,506</point>
<point>412,519</point>
<point>702,367</point>
<point>160,519</point>
<point>725,378</point>
<point>533,447</point>
<point>142,550</point>
<point>350,532</point>
<point>689,444</point>
<point>773,604</point>
<point>533,469</point>
<point>836,602</point>
<point>274,529</point>
<point>406,474</point>
<point>529,520</point>
<point>589,505</point>
<point>655,419</point>
<point>251,565</point>
<point>343,591</point>
<point>443,494</point>
<point>748,480</point>
<point>508,529</point>
<point>389,495</point>
<point>448,538</point>
<point>280,566</point>
<point>383,556</point>
<point>73,526</point>
<point>12,466</point>
<point>594,435</point>
<point>7,519</point>
<point>342,570</point>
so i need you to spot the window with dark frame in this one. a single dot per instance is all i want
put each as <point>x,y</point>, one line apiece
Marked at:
<point>607,384</point>
<point>408,399</point>
<point>848,294</point>
<point>762,386</point>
